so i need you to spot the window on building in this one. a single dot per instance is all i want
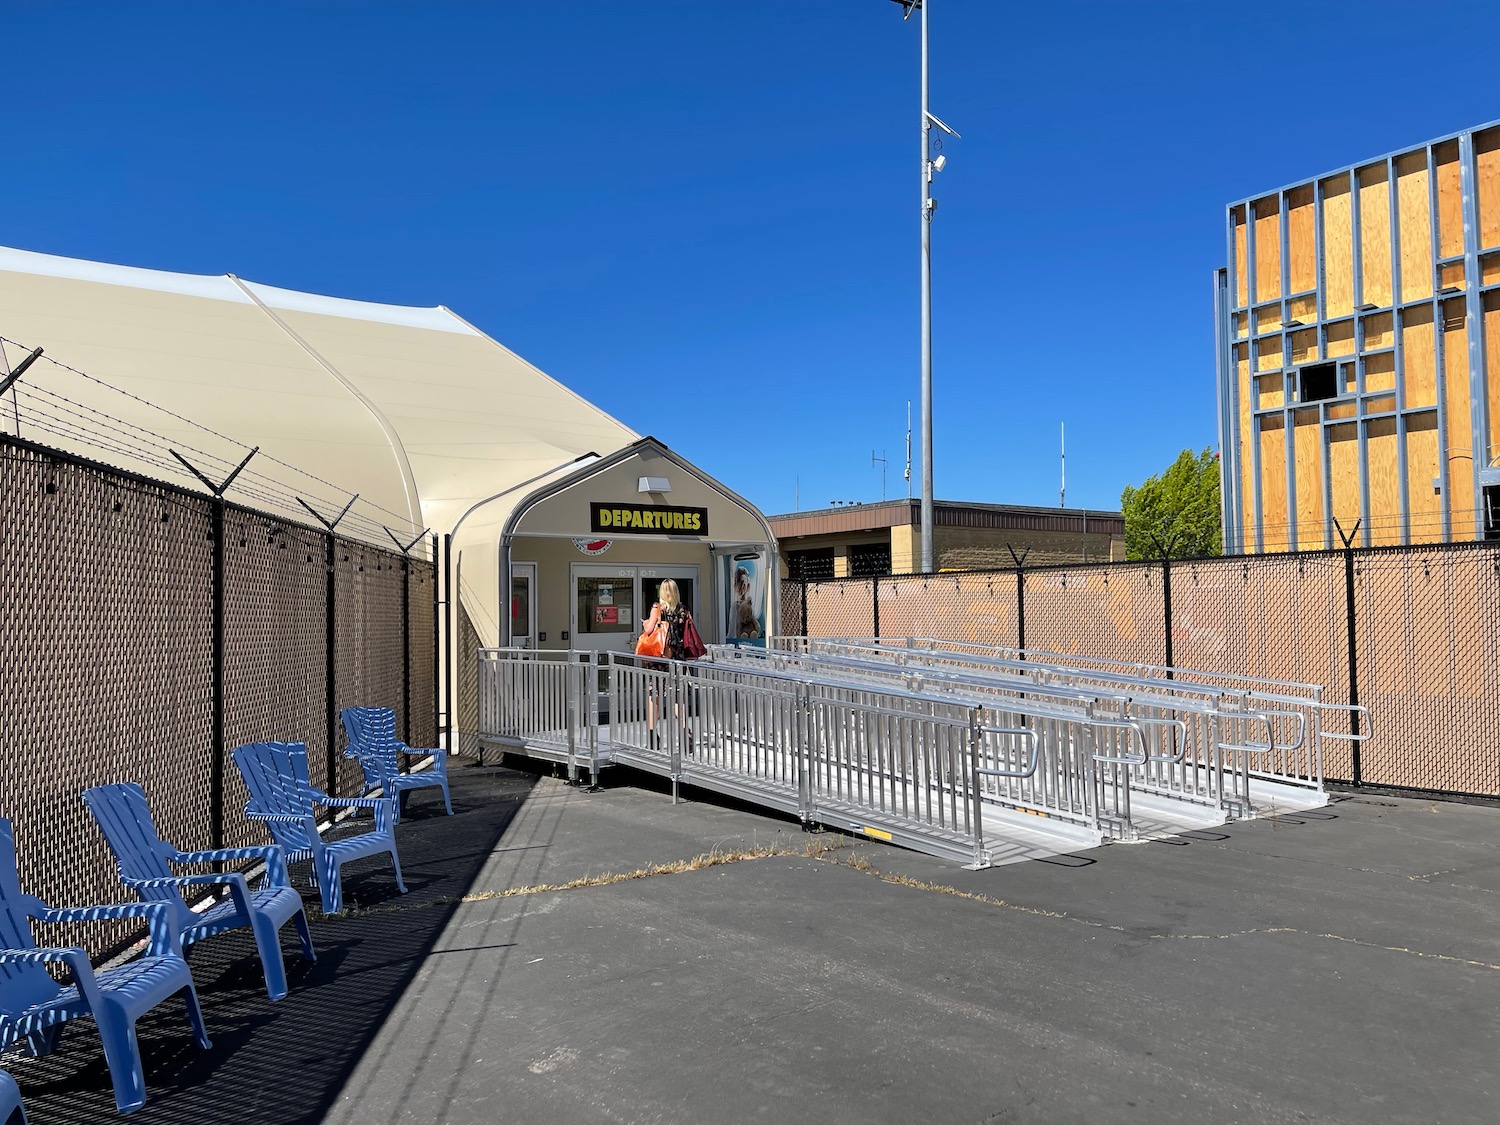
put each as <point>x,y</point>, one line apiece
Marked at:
<point>871,560</point>
<point>810,566</point>
<point>1318,381</point>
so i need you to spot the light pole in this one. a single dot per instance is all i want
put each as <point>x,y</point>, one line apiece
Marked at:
<point>930,167</point>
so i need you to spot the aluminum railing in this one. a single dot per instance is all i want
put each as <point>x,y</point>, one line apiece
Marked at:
<point>1299,718</point>
<point>541,700</point>
<point>1090,746</point>
<point>1198,750</point>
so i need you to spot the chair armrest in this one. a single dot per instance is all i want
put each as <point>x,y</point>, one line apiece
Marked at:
<point>353,802</point>
<point>421,751</point>
<point>386,808</point>
<point>75,958</point>
<point>40,956</point>
<point>279,818</point>
<point>182,880</point>
<point>163,934</point>
<point>270,854</point>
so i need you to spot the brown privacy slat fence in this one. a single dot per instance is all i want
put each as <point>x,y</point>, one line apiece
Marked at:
<point>1425,647</point>
<point>107,660</point>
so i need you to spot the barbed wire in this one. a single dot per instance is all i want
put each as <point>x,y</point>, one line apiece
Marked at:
<point>62,416</point>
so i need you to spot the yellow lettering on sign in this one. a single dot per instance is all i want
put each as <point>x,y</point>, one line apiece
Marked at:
<point>697,522</point>
<point>604,517</point>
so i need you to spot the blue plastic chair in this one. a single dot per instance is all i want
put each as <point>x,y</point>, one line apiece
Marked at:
<point>374,745</point>
<point>144,858</point>
<point>34,1007</point>
<point>11,1110</point>
<point>282,797</point>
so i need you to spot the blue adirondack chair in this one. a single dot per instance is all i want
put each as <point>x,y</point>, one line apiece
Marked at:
<point>282,797</point>
<point>34,1007</point>
<point>11,1111</point>
<point>374,745</point>
<point>144,861</point>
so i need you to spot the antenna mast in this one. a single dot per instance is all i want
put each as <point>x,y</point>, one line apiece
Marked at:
<point>882,462</point>
<point>1062,447</point>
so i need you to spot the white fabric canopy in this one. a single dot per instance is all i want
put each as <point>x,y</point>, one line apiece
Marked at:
<point>413,409</point>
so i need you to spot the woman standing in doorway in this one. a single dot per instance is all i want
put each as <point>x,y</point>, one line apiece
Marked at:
<point>668,611</point>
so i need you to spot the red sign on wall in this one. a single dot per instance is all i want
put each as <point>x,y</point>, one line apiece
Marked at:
<point>606,615</point>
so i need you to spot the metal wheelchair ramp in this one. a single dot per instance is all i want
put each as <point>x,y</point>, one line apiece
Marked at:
<point>958,756</point>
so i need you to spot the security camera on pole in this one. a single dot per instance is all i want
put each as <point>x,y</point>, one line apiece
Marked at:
<point>930,168</point>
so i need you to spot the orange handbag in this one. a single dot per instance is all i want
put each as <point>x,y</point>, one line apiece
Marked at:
<point>653,643</point>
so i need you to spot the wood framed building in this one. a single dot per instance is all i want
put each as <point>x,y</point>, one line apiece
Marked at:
<point>1358,353</point>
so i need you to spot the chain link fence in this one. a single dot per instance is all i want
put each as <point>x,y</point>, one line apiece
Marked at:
<point>108,605</point>
<point>1412,633</point>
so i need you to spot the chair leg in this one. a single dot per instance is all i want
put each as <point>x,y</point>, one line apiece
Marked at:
<point>268,944</point>
<point>123,1056</point>
<point>44,1042</point>
<point>195,1017</point>
<point>330,882</point>
<point>300,918</point>
<point>447,800</point>
<point>396,863</point>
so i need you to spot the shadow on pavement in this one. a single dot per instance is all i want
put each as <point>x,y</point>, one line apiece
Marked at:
<point>285,1063</point>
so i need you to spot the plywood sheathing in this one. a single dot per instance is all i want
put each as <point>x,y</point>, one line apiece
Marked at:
<point>1305,308</point>
<point>1450,201</point>
<point>1419,356</point>
<point>1341,338</point>
<point>1338,248</point>
<point>1375,235</point>
<point>1489,269</point>
<point>1451,276</point>
<point>1268,353</point>
<point>1241,289</point>
<point>1460,498</point>
<point>1425,503</point>
<point>1338,410</point>
<point>1414,219</point>
<point>1302,241</point>
<point>1271,389</point>
<point>1379,332</point>
<point>1305,346</point>
<point>1343,473</point>
<point>1385,483</point>
<point>1267,248</point>
<point>1307,437</point>
<point>1380,374</point>
<point>1487,186</point>
<point>1273,482</point>
<point>1268,319</point>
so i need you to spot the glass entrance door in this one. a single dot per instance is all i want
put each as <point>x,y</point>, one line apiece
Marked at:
<point>610,603</point>
<point>523,605</point>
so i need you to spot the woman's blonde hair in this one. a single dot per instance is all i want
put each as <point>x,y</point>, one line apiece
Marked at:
<point>668,596</point>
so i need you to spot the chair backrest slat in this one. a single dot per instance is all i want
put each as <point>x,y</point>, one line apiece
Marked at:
<point>124,816</point>
<point>276,775</point>
<point>372,736</point>
<point>21,986</point>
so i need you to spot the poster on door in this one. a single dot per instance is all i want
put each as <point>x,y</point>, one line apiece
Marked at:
<point>745,600</point>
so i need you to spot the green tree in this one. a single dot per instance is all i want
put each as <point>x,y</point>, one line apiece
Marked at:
<point>1178,510</point>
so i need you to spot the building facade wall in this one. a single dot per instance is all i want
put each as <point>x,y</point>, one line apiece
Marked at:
<point>967,537</point>
<point>1358,329</point>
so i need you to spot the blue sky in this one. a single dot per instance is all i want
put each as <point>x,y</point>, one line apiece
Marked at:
<point>702,214</point>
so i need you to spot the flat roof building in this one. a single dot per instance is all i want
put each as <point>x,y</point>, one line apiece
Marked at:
<point>867,540</point>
